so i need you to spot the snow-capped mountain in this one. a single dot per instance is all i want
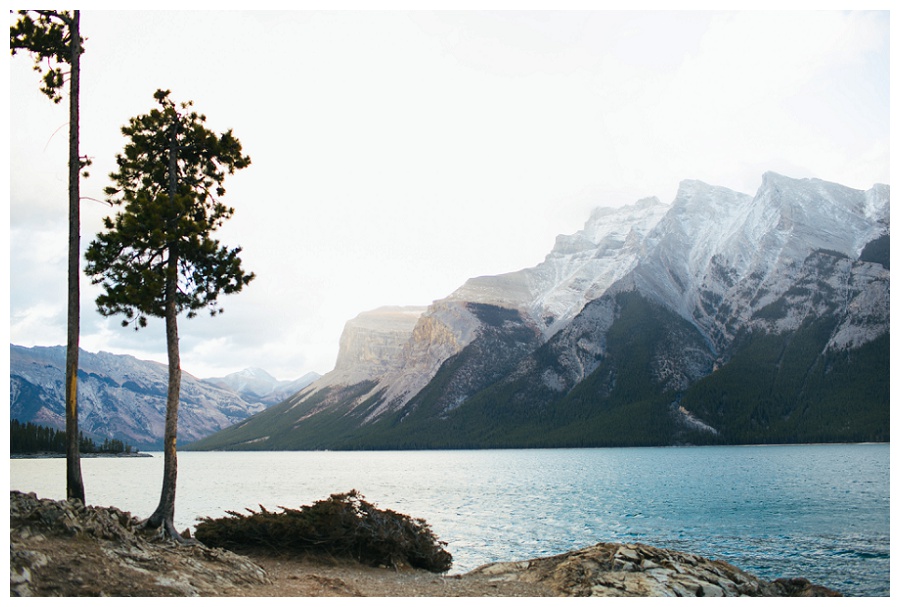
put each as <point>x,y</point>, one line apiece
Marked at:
<point>122,397</point>
<point>648,309</point>
<point>256,385</point>
<point>581,267</point>
<point>718,250</point>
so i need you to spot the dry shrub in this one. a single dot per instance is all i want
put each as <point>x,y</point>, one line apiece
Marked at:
<point>344,525</point>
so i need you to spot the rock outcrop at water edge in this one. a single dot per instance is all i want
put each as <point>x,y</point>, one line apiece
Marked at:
<point>638,570</point>
<point>63,548</point>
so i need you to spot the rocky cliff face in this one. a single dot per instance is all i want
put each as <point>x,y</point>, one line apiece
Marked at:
<point>652,325</point>
<point>443,330</point>
<point>371,344</point>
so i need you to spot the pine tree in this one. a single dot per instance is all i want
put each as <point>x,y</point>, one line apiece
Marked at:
<point>54,39</point>
<point>157,256</point>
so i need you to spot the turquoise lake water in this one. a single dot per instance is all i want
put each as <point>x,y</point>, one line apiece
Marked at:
<point>815,511</point>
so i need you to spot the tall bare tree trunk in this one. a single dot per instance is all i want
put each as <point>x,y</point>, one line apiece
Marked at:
<point>164,516</point>
<point>74,482</point>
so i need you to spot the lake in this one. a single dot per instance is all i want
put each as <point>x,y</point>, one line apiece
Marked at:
<point>815,511</point>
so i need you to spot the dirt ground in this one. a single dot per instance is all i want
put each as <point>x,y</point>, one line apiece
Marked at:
<point>88,570</point>
<point>321,577</point>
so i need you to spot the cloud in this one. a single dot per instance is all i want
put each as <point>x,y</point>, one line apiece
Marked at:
<point>397,154</point>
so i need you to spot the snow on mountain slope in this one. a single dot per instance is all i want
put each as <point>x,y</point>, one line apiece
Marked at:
<point>252,381</point>
<point>721,255</point>
<point>258,386</point>
<point>580,267</point>
<point>684,243</point>
<point>715,257</point>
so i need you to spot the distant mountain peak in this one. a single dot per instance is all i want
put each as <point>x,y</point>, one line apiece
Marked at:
<point>258,385</point>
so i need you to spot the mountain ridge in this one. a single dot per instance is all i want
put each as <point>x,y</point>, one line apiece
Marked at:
<point>257,385</point>
<point>712,275</point>
<point>122,397</point>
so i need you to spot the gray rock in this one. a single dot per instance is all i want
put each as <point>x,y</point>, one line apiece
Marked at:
<point>639,570</point>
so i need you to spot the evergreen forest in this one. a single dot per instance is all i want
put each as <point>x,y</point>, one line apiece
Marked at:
<point>25,438</point>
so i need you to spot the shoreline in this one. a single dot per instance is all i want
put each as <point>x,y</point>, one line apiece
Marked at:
<point>49,455</point>
<point>187,448</point>
<point>63,548</point>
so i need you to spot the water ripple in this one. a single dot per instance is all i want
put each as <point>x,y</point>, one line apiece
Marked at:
<point>818,511</point>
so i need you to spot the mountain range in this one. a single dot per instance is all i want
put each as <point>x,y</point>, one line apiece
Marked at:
<point>720,318</point>
<point>122,397</point>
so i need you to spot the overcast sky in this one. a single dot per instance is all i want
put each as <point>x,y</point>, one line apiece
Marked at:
<point>396,154</point>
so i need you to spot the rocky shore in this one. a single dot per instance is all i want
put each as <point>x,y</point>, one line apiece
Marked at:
<point>63,548</point>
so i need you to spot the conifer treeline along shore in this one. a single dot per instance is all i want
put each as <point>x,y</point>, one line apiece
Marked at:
<point>33,438</point>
